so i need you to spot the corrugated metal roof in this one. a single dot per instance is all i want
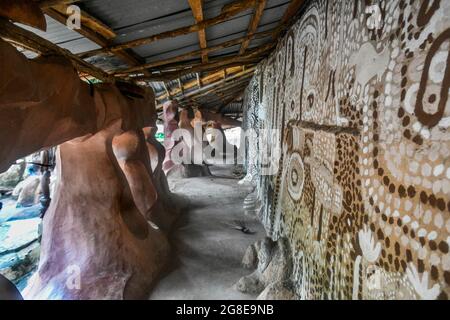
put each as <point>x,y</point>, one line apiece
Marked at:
<point>63,36</point>
<point>134,19</point>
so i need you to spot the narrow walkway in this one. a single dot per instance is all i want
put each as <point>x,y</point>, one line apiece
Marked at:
<point>207,250</point>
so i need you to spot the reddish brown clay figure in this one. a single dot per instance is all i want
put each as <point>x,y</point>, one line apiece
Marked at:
<point>96,241</point>
<point>193,145</point>
<point>170,113</point>
<point>127,148</point>
<point>157,153</point>
<point>24,11</point>
<point>167,206</point>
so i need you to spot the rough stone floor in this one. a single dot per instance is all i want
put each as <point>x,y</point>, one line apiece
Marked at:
<point>207,251</point>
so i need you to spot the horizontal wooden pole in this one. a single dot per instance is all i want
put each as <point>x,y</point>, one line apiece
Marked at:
<point>92,29</point>
<point>224,16</point>
<point>224,45</point>
<point>254,23</point>
<point>207,88</point>
<point>210,78</point>
<point>290,12</point>
<point>226,86</point>
<point>252,57</point>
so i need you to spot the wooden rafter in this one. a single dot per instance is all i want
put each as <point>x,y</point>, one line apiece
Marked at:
<point>223,83</point>
<point>199,80</point>
<point>94,30</point>
<point>254,23</point>
<point>180,85</point>
<point>203,80</point>
<point>224,94</point>
<point>166,88</point>
<point>217,87</point>
<point>13,33</point>
<point>290,12</point>
<point>197,10</point>
<point>191,54</point>
<point>253,56</point>
<point>212,85</point>
<point>230,100</point>
<point>52,3</point>
<point>224,16</point>
<point>87,21</point>
<point>226,87</point>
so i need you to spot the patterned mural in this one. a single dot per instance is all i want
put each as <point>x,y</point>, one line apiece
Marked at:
<point>359,92</point>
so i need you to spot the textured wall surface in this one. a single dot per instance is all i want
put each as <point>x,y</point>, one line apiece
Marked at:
<point>363,188</point>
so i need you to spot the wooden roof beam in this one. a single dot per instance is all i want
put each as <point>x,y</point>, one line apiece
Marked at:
<point>227,103</point>
<point>290,12</point>
<point>226,88</point>
<point>203,80</point>
<point>224,16</point>
<point>13,33</point>
<point>254,23</point>
<point>199,80</point>
<point>191,54</point>
<point>240,77</point>
<point>249,71</point>
<point>252,57</point>
<point>217,88</point>
<point>197,10</point>
<point>94,30</point>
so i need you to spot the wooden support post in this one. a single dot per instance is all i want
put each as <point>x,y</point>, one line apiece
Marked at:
<point>224,16</point>
<point>191,54</point>
<point>254,23</point>
<point>252,57</point>
<point>180,85</point>
<point>197,10</point>
<point>199,81</point>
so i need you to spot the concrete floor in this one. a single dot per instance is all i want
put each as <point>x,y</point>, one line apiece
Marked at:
<point>207,251</point>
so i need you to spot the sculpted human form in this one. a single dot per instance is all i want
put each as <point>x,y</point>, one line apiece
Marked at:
<point>97,242</point>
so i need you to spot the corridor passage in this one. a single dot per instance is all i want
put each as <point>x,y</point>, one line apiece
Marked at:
<point>207,249</point>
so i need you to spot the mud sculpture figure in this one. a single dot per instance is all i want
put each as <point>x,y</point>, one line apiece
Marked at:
<point>182,149</point>
<point>167,206</point>
<point>218,140</point>
<point>157,153</point>
<point>96,241</point>
<point>37,109</point>
<point>115,253</point>
<point>170,114</point>
<point>194,146</point>
<point>127,148</point>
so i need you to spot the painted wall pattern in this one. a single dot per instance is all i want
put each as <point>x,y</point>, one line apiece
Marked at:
<point>363,190</point>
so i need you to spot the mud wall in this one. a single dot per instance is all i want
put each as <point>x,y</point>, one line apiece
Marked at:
<point>359,95</point>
